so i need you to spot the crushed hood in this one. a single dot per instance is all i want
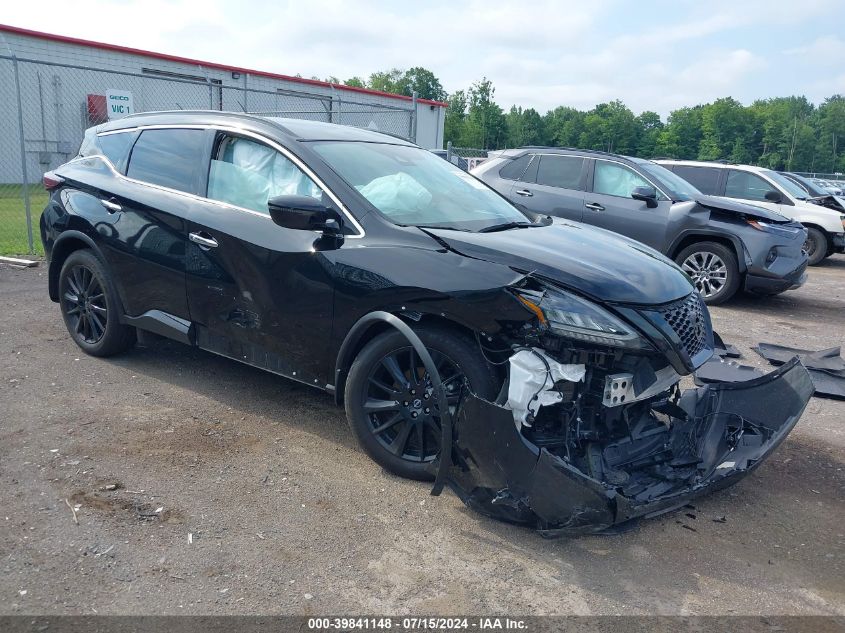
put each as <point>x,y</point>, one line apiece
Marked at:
<point>600,264</point>
<point>742,208</point>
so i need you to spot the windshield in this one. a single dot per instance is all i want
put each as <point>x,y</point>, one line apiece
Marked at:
<point>785,183</point>
<point>411,186</point>
<point>674,185</point>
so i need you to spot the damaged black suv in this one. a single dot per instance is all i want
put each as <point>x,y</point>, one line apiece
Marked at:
<point>546,353</point>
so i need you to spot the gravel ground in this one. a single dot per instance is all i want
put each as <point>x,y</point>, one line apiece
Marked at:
<point>236,491</point>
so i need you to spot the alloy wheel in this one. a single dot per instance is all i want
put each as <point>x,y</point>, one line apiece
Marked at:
<point>400,403</point>
<point>84,304</point>
<point>810,247</point>
<point>707,271</point>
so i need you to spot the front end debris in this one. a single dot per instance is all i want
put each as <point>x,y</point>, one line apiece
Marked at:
<point>586,464</point>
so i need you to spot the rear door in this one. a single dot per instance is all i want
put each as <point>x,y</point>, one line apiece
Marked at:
<point>609,205</point>
<point>553,184</point>
<point>257,292</point>
<point>708,180</point>
<point>143,232</point>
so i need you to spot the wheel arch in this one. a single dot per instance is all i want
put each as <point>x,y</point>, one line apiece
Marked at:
<point>67,243</point>
<point>729,241</point>
<point>369,327</point>
<point>826,233</point>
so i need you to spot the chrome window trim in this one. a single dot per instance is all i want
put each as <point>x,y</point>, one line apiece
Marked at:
<point>241,132</point>
<point>633,169</point>
<point>537,155</point>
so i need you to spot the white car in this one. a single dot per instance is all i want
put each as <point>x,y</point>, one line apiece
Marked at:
<point>770,190</point>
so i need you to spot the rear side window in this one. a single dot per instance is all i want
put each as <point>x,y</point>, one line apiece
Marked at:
<point>705,179</point>
<point>560,171</point>
<point>116,148</point>
<point>746,186</point>
<point>171,158</point>
<point>514,169</point>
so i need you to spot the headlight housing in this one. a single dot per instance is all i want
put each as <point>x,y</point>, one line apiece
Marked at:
<point>573,317</point>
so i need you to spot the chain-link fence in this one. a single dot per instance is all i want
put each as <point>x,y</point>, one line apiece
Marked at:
<point>464,157</point>
<point>45,108</point>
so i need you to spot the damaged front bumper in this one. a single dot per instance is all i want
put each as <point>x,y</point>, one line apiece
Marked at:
<point>707,440</point>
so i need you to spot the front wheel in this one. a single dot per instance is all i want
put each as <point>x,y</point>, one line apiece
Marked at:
<point>390,401</point>
<point>815,246</point>
<point>713,269</point>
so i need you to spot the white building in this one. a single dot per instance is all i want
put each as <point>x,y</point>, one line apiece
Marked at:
<point>64,83</point>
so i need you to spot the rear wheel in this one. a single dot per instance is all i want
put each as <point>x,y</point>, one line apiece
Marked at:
<point>713,269</point>
<point>90,306</point>
<point>390,401</point>
<point>815,246</point>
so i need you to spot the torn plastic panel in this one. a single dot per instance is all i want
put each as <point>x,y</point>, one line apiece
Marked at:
<point>666,451</point>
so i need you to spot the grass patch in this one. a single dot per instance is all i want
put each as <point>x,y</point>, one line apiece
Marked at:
<point>13,236</point>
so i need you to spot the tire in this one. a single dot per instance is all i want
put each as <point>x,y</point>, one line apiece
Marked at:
<point>713,269</point>
<point>816,246</point>
<point>90,306</point>
<point>409,426</point>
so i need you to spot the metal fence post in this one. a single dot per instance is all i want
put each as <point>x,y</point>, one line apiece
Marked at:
<point>246,107</point>
<point>414,116</point>
<point>449,151</point>
<point>23,159</point>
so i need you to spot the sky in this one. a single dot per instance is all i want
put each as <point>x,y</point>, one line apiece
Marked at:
<point>653,55</point>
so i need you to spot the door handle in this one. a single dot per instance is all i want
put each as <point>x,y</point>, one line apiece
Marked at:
<point>524,192</point>
<point>595,206</point>
<point>111,207</point>
<point>204,242</point>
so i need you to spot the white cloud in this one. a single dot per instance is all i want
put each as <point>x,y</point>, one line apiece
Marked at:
<point>655,57</point>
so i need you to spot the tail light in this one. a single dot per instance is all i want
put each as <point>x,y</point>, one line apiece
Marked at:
<point>51,181</point>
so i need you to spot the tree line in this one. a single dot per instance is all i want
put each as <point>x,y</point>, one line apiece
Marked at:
<point>780,133</point>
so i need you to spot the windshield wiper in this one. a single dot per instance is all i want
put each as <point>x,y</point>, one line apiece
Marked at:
<point>505,226</point>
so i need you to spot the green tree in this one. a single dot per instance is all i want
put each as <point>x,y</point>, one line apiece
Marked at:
<point>485,126</point>
<point>356,82</point>
<point>610,127</point>
<point>387,81</point>
<point>455,120</point>
<point>563,126</point>
<point>728,132</point>
<point>830,148</point>
<point>424,82</point>
<point>649,128</point>
<point>524,127</point>
<point>681,136</point>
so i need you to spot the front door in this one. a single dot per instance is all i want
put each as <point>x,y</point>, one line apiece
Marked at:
<point>257,292</point>
<point>609,205</point>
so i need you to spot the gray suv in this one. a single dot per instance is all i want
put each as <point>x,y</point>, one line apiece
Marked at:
<point>724,246</point>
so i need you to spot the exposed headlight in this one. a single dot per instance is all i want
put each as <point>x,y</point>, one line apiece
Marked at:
<point>572,317</point>
<point>777,229</point>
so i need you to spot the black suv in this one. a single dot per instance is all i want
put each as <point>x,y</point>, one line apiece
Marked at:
<point>545,355</point>
<point>724,246</point>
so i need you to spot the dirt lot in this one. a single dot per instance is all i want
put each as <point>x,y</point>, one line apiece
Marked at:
<point>241,492</point>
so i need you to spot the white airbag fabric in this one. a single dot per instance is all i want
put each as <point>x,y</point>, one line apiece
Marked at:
<point>530,376</point>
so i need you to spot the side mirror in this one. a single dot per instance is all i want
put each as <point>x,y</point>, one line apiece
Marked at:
<point>304,213</point>
<point>774,196</point>
<point>646,194</point>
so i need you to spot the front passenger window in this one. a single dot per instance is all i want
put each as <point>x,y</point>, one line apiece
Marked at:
<point>613,179</point>
<point>247,174</point>
<point>746,186</point>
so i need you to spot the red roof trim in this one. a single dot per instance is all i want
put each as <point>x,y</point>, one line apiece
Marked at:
<point>186,60</point>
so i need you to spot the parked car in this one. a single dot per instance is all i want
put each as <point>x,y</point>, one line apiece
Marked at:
<point>830,187</point>
<point>365,266</point>
<point>723,246</point>
<point>816,194</point>
<point>768,189</point>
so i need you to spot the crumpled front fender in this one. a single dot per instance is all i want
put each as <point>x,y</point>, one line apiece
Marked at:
<point>735,426</point>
